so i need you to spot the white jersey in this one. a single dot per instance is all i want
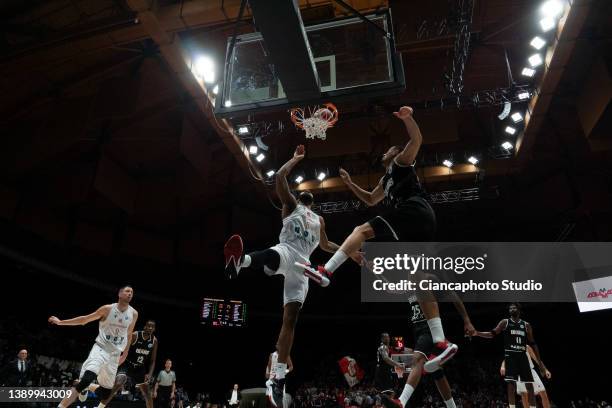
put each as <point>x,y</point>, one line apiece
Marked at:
<point>113,331</point>
<point>301,231</point>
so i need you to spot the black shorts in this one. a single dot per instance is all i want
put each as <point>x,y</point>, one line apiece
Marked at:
<point>423,344</point>
<point>135,373</point>
<point>517,367</point>
<point>383,378</point>
<point>411,221</point>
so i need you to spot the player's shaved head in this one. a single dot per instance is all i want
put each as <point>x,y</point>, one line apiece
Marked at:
<point>306,198</point>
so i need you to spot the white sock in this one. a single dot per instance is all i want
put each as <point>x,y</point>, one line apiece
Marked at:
<point>335,261</point>
<point>246,262</point>
<point>435,327</point>
<point>281,370</point>
<point>101,405</point>
<point>450,403</point>
<point>406,394</point>
<point>511,406</point>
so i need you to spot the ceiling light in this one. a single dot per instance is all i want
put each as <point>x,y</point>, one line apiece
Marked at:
<point>205,68</point>
<point>510,130</point>
<point>253,149</point>
<point>228,103</point>
<point>299,179</point>
<point>270,173</point>
<point>215,89</point>
<point>528,72</point>
<point>473,160</point>
<point>552,8</point>
<point>260,157</point>
<point>448,163</point>
<point>516,117</point>
<point>243,130</point>
<point>547,24</point>
<point>535,60</point>
<point>321,176</point>
<point>537,43</point>
<point>507,145</point>
<point>523,95</point>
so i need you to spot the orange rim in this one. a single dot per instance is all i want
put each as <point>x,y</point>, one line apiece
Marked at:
<point>294,117</point>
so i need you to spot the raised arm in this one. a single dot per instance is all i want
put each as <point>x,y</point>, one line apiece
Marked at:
<point>468,328</point>
<point>324,243</point>
<point>101,313</point>
<point>126,350</point>
<point>370,198</point>
<point>408,155</point>
<point>501,326</point>
<point>282,186</point>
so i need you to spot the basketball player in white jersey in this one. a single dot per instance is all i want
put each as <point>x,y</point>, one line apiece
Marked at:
<point>302,232</point>
<point>110,349</point>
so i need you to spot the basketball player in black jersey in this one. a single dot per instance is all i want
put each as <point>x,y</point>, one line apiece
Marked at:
<point>422,351</point>
<point>407,217</point>
<point>383,376</point>
<point>517,334</point>
<point>139,364</point>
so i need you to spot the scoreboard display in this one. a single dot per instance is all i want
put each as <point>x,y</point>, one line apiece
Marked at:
<point>223,313</point>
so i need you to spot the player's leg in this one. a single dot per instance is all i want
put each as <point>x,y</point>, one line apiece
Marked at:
<point>444,388</point>
<point>89,372</point>
<point>530,394</point>
<point>108,379</point>
<point>443,350</point>
<point>511,394</point>
<point>235,259</point>
<point>544,397</point>
<point>284,345</point>
<point>146,393</point>
<point>525,399</point>
<point>414,377</point>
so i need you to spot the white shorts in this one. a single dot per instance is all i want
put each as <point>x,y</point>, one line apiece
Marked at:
<point>296,283</point>
<point>104,364</point>
<point>538,386</point>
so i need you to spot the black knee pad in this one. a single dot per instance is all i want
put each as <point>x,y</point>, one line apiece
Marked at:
<point>103,393</point>
<point>87,378</point>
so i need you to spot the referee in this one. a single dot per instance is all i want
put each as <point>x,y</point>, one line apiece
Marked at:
<point>165,386</point>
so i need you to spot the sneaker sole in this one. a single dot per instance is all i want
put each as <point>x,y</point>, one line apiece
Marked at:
<point>313,274</point>
<point>436,363</point>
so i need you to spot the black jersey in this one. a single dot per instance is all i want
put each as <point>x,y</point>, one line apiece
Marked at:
<point>141,351</point>
<point>383,350</point>
<point>417,318</point>
<point>401,183</point>
<point>515,336</point>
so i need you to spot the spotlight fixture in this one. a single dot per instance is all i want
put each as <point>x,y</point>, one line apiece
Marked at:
<point>505,112</point>
<point>299,179</point>
<point>448,163</point>
<point>552,8</point>
<point>537,43</point>
<point>260,157</point>
<point>322,176</point>
<point>215,89</point>
<point>253,149</point>
<point>473,160</point>
<point>535,60</point>
<point>270,173</point>
<point>517,117</point>
<point>523,95</point>
<point>243,130</point>
<point>510,130</point>
<point>507,145</point>
<point>228,103</point>
<point>547,24</point>
<point>528,72</point>
<point>205,68</point>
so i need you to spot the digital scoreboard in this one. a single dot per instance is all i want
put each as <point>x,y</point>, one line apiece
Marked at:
<point>223,313</point>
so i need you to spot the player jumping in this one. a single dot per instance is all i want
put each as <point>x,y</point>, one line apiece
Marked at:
<point>408,217</point>
<point>302,232</point>
<point>116,325</point>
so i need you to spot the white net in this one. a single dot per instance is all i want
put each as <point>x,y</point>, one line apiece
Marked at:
<point>315,127</point>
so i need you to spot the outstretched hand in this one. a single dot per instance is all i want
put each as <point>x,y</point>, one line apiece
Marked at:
<point>344,176</point>
<point>404,113</point>
<point>53,320</point>
<point>299,153</point>
<point>469,329</point>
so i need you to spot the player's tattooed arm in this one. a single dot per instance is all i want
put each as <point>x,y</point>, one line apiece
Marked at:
<point>101,313</point>
<point>370,198</point>
<point>125,351</point>
<point>501,326</point>
<point>282,186</point>
<point>408,155</point>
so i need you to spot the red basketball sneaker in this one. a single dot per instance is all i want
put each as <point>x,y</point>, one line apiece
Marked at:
<point>233,251</point>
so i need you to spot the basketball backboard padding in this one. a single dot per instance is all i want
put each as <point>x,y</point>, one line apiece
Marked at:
<point>286,43</point>
<point>353,60</point>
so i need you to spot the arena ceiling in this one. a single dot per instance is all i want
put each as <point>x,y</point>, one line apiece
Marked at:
<point>110,146</point>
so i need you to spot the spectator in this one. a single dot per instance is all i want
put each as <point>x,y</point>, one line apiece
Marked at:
<point>165,386</point>
<point>17,372</point>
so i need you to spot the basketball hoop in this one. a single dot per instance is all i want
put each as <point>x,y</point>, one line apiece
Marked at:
<point>317,122</point>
